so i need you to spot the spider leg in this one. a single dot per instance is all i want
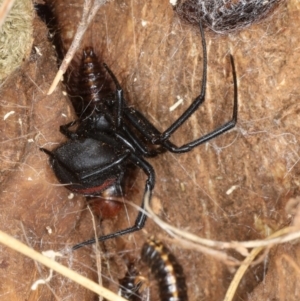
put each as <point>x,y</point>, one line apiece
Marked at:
<point>119,97</point>
<point>220,130</point>
<point>105,168</point>
<point>141,217</point>
<point>144,126</point>
<point>140,122</point>
<point>197,101</point>
<point>139,146</point>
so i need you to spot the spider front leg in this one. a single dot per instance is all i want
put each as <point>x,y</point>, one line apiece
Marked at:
<point>141,217</point>
<point>220,130</point>
<point>163,138</point>
<point>197,101</point>
<point>150,132</point>
<point>144,126</point>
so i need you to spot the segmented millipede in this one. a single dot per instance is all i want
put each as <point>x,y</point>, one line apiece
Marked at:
<point>93,84</point>
<point>166,270</point>
<point>130,285</point>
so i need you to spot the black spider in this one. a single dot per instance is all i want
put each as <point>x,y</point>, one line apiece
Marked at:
<point>112,136</point>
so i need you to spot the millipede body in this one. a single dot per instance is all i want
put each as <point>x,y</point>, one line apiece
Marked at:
<point>130,286</point>
<point>166,270</point>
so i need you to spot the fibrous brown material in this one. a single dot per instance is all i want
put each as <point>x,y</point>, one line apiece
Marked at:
<point>232,188</point>
<point>33,207</point>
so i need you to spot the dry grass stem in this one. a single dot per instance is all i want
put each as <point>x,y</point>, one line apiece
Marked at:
<point>5,9</point>
<point>16,245</point>
<point>90,9</point>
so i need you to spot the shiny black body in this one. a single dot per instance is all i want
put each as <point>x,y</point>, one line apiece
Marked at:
<point>88,174</point>
<point>111,137</point>
<point>166,271</point>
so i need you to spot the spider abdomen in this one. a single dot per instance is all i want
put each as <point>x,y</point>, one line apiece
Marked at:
<point>77,163</point>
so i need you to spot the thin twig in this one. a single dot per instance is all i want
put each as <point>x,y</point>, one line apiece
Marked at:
<point>97,250</point>
<point>16,245</point>
<point>243,268</point>
<point>90,9</point>
<point>5,9</point>
<point>287,234</point>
